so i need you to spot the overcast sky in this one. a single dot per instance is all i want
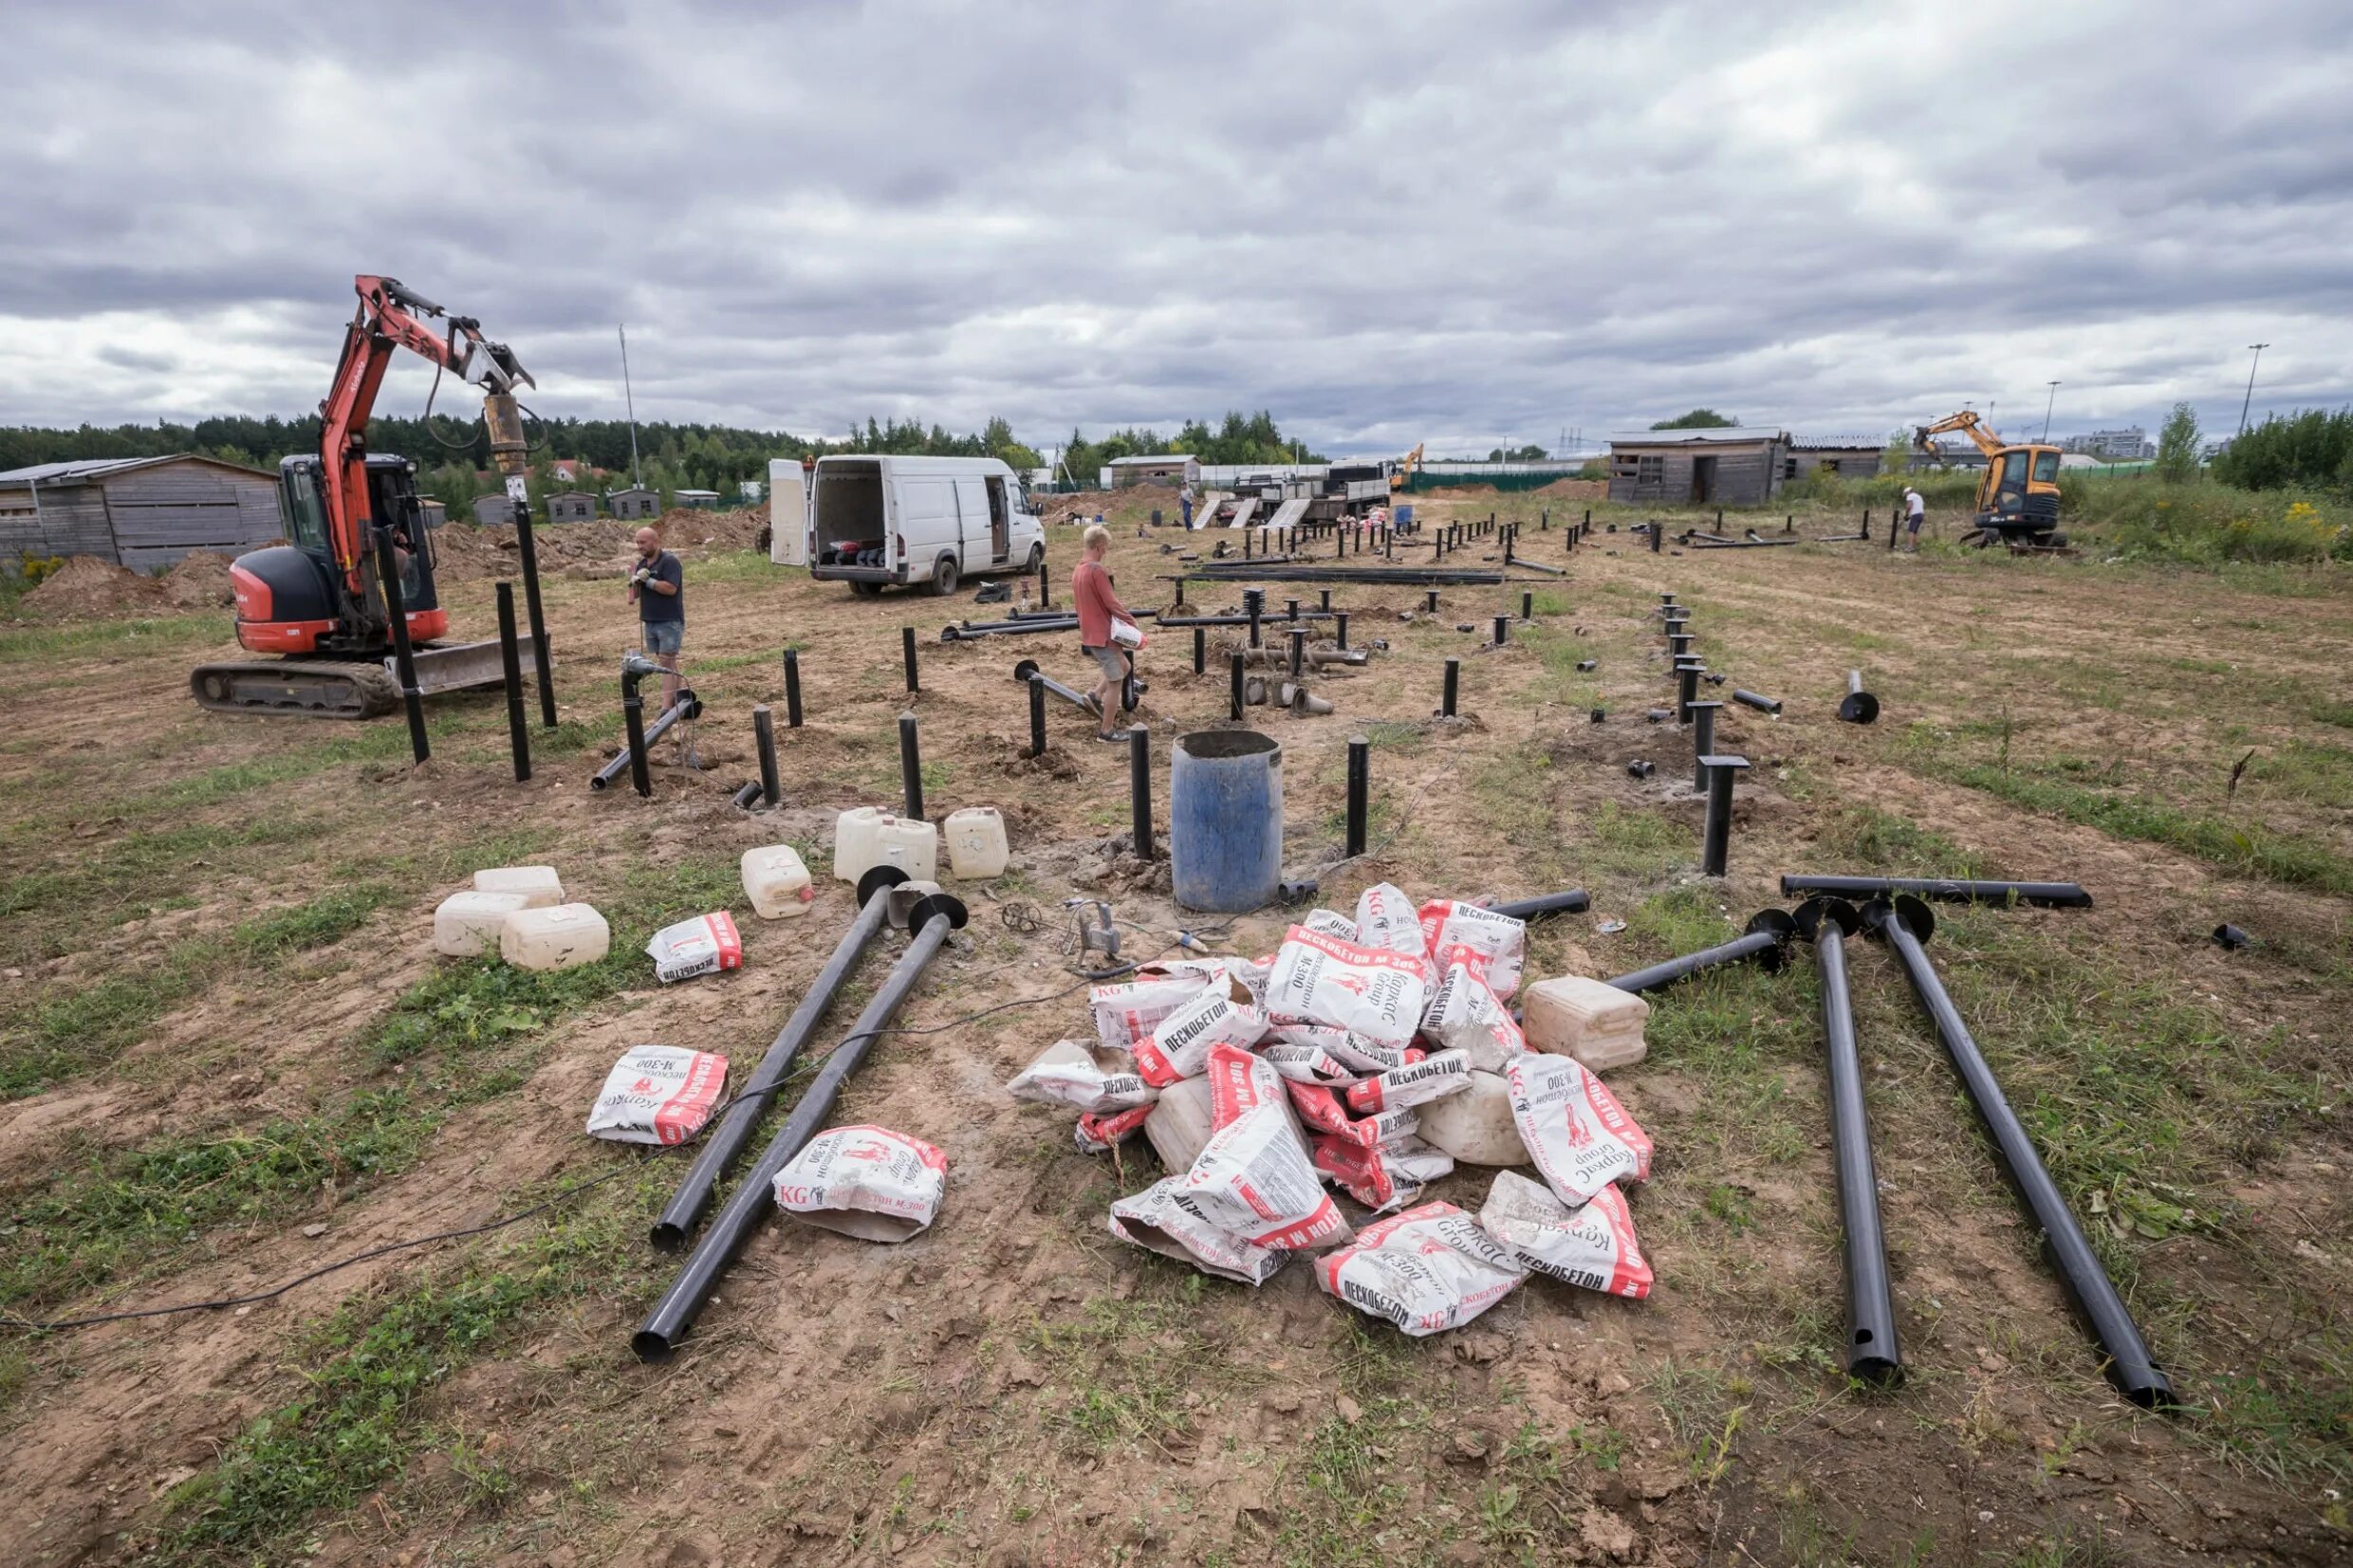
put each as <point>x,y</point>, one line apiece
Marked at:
<point>1467,223</point>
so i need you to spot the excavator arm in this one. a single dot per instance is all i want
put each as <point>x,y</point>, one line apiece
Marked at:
<point>388,317</point>
<point>1405,470</point>
<point>1968,423</point>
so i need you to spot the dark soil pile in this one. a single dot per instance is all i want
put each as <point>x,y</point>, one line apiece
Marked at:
<point>199,581</point>
<point>86,588</point>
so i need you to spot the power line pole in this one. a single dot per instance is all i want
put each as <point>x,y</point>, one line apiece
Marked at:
<point>2048,407</point>
<point>636,480</point>
<point>2250,401</point>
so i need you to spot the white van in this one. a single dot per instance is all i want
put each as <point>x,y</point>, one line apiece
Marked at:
<point>869,521</point>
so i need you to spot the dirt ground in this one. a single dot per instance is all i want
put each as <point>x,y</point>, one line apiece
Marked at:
<point>231,1056</point>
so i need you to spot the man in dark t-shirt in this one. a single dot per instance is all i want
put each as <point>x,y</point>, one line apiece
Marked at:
<point>658,588</point>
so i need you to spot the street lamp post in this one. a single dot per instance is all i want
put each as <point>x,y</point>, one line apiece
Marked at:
<point>2047,408</point>
<point>2250,401</point>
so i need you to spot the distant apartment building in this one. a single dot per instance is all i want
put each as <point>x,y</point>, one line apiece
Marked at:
<point>2126,445</point>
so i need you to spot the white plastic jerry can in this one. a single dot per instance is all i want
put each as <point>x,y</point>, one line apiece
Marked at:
<point>976,844</point>
<point>468,924</point>
<point>910,845</point>
<point>563,937</point>
<point>540,886</point>
<point>855,833</point>
<point>776,881</point>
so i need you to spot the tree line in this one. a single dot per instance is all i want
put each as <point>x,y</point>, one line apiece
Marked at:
<point>1240,439</point>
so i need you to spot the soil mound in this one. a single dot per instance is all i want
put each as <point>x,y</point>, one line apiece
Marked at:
<point>86,588</point>
<point>200,581</point>
<point>463,550</point>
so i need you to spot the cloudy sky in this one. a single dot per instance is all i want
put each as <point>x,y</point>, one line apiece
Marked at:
<point>1467,224</point>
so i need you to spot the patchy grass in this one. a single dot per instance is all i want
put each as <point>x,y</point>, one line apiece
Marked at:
<point>116,637</point>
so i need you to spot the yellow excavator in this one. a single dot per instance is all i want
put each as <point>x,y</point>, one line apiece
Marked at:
<point>2018,499</point>
<point>1403,474</point>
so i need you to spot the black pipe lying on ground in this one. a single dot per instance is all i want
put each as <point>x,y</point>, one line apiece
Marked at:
<point>934,918</point>
<point>1571,901</point>
<point>1766,940</point>
<point>1872,1352</point>
<point>1240,620</point>
<point>1704,543</point>
<point>1904,925</point>
<point>1757,700</point>
<point>1859,706</point>
<point>1943,890</point>
<point>1410,577</point>
<point>735,1126</point>
<point>1756,537</point>
<point>643,735</point>
<point>1028,667</point>
<point>975,631</point>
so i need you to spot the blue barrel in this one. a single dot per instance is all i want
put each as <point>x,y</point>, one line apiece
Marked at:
<point>1403,513</point>
<point>1225,820</point>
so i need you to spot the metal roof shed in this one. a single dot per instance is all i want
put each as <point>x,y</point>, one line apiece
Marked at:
<point>141,512</point>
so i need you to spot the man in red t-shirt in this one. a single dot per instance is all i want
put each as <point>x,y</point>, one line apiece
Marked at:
<point>1099,608</point>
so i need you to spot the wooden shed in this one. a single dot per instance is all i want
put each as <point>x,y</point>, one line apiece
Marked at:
<point>699,500</point>
<point>141,512</point>
<point>1719,467</point>
<point>435,512</point>
<point>1850,458</point>
<point>571,507</point>
<point>635,504</point>
<point>493,511</point>
<point>1170,468</point>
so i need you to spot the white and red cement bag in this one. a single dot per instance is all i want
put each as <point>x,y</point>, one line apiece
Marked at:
<point>1579,1136</point>
<point>1417,1083</point>
<point>1427,1270</point>
<point>1127,1013</point>
<point>657,1093</point>
<point>1499,938</point>
<point>1371,991</point>
<point>1164,1218</point>
<point>1385,1175</point>
<point>1323,1110</point>
<point>867,1182</point>
<point>1305,1063</point>
<point>1592,1248</point>
<point>1254,1177</point>
<point>1386,918</point>
<point>1331,923</point>
<point>1066,1073</point>
<point>1180,1044</point>
<point>705,945</point>
<point>1352,1051</point>
<point>1098,1134</point>
<point>1464,1015</point>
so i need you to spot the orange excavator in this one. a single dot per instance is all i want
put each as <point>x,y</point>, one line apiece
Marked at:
<point>2018,499</point>
<point>317,600</point>
<point>1403,473</point>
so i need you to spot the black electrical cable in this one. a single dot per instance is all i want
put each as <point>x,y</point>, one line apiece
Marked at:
<point>540,1207</point>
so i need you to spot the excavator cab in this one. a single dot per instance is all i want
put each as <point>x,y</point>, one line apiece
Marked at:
<point>2020,495</point>
<point>291,598</point>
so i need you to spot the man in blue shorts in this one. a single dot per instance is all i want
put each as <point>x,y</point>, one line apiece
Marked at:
<point>658,588</point>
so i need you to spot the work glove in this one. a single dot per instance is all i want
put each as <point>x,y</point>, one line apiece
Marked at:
<point>640,577</point>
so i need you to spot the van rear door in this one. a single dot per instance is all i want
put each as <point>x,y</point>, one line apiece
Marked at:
<point>788,514</point>
<point>975,550</point>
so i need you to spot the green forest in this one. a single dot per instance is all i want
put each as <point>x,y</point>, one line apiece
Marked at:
<point>454,461</point>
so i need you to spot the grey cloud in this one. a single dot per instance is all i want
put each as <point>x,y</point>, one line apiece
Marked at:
<point>1386,223</point>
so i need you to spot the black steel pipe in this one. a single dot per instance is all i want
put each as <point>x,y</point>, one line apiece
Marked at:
<point>1253,608</point>
<point>1503,630</point>
<point>1452,689</point>
<point>1703,739</point>
<point>1139,789</point>
<point>1904,926</point>
<point>764,739</point>
<point>745,794</point>
<point>643,735</point>
<point>1359,790</point>
<point>1299,651</point>
<point>1858,707</point>
<point>1715,835</point>
<point>659,1339</point>
<point>1037,716</point>
<point>1046,596</point>
<point>1201,650</point>
<point>1943,890</point>
<point>906,653</point>
<point>1028,668</point>
<point>1234,669</point>
<point>1766,940</point>
<point>909,767</point>
<point>1757,700</point>
<point>1167,622</point>
<point>1873,1353</point>
<point>510,670</point>
<point>1431,604</point>
<point>403,656</point>
<point>1657,534</point>
<point>1686,689</point>
<point>1340,624</point>
<point>1029,626</point>
<point>1528,607</point>
<point>1569,901</point>
<point>793,689</point>
<point>527,556</point>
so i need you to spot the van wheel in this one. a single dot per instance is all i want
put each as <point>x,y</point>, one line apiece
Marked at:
<point>866,590</point>
<point>943,581</point>
<point>1037,557</point>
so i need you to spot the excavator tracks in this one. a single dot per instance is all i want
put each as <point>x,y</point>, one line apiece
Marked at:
<point>296,689</point>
